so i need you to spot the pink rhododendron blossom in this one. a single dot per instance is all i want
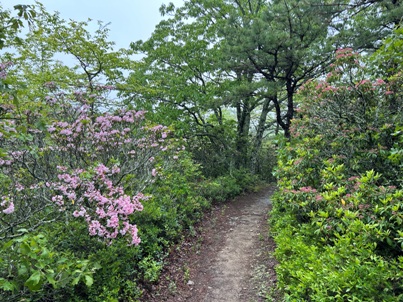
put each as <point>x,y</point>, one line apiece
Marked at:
<point>115,170</point>
<point>111,206</point>
<point>83,163</point>
<point>318,198</point>
<point>307,190</point>
<point>58,199</point>
<point>7,202</point>
<point>19,187</point>
<point>379,82</point>
<point>10,208</point>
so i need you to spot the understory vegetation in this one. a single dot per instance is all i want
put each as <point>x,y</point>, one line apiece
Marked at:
<point>337,214</point>
<point>107,161</point>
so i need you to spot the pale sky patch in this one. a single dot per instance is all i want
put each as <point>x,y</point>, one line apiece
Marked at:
<point>131,20</point>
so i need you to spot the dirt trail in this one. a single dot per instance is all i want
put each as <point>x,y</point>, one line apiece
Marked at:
<point>228,260</point>
<point>232,264</point>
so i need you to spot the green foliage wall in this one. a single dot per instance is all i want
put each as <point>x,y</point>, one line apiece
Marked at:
<point>338,213</point>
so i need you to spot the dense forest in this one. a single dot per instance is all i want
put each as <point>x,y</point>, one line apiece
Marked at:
<point>107,160</point>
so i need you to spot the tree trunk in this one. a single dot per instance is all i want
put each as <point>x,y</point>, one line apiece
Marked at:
<point>259,136</point>
<point>243,116</point>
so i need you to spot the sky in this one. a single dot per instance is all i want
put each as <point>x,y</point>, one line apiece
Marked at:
<point>131,20</point>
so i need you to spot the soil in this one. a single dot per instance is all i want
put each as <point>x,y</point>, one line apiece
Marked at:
<point>228,257</point>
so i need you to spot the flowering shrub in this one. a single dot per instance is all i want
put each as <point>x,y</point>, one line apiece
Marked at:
<point>85,166</point>
<point>70,168</point>
<point>347,107</point>
<point>337,215</point>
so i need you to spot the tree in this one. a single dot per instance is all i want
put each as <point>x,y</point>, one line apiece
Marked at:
<point>245,56</point>
<point>251,56</point>
<point>180,68</point>
<point>363,24</point>
<point>10,25</point>
<point>90,62</point>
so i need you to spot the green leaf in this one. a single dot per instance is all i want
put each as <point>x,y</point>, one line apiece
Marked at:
<point>7,245</point>
<point>7,285</point>
<point>50,278</point>
<point>25,248</point>
<point>33,282</point>
<point>76,280</point>
<point>22,269</point>
<point>88,280</point>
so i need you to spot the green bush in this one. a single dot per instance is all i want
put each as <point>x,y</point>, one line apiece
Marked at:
<point>220,189</point>
<point>224,188</point>
<point>32,268</point>
<point>338,214</point>
<point>91,270</point>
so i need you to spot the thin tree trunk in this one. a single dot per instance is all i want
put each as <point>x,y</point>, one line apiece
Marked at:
<point>259,136</point>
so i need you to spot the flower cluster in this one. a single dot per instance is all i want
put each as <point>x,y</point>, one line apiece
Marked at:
<point>104,206</point>
<point>91,165</point>
<point>7,204</point>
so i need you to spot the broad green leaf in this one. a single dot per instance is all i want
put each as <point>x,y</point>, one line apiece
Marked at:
<point>88,280</point>
<point>33,282</point>
<point>7,285</point>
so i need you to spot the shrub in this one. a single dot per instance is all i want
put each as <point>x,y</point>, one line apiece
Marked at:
<point>81,177</point>
<point>337,215</point>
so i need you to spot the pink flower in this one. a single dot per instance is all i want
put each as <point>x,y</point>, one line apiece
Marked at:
<point>113,222</point>
<point>362,82</point>
<point>58,199</point>
<point>19,187</point>
<point>101,169</point>
<point>133,232</point>
<point>115,170</point>
<point>62,124</point>
<point>71,196</point>
<point>10,208</point>
<point>379,82</point>
<point>318,198</point>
